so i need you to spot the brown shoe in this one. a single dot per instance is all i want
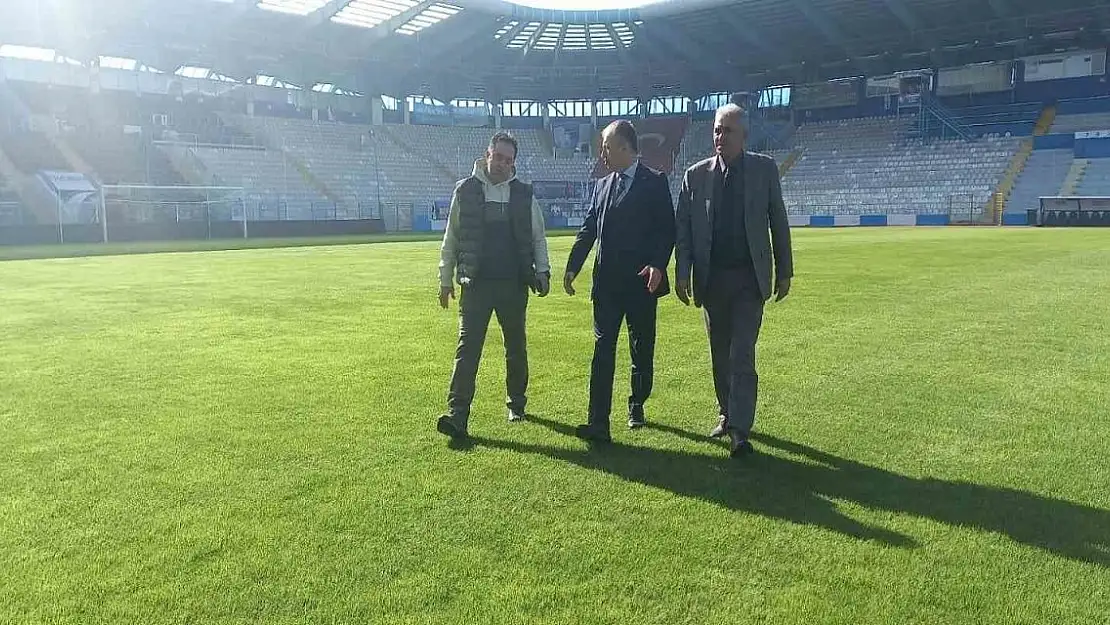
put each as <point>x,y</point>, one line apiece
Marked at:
<point>721,429</point>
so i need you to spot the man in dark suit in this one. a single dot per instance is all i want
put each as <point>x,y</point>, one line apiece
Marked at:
<point>731,222</point>
<point>632,221</point>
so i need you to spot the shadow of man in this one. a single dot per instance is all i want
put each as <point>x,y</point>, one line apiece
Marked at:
<point>1075,531</point>
<point>716,479</point>
<point>800,489</point>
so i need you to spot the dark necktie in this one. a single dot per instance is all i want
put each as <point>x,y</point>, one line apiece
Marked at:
<point>622,186</point>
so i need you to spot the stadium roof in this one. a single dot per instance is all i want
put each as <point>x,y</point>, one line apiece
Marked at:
<point>584,5</point>
<point>497,49</point>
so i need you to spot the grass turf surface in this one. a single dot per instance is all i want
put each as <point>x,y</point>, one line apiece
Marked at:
<point>248,436</point>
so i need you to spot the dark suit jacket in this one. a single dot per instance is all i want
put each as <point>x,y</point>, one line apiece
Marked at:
<point>636,232</point>
<point>764,217</point>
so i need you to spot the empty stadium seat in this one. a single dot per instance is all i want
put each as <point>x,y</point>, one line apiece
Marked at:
<point>1043,175</point>
<point>867,166</point>
<point>32,151</point>
<point>120,158</point>
<point>414,163</point>
<point>340,156</point>
<point>272,185</point>
<point>1096,178</point>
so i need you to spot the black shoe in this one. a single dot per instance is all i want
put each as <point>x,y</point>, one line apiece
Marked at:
<point>721,429</point>
<point>516,416</point>
<point>590,433</point>
<point>740,446</point>
<point>636,420</point>
<point>447,426</point>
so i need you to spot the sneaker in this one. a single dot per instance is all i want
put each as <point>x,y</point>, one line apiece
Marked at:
<point>516,416</point>
<point>721,429</point>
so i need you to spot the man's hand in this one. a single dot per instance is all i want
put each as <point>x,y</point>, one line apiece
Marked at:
<point>568,282</point>
<point>446,293</point>
<point>654,277</point>
<point>782,289</point>
<point>543,283</point>
<point>682,290</point>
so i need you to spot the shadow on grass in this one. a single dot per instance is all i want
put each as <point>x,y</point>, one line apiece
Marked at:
<point>801,486</point>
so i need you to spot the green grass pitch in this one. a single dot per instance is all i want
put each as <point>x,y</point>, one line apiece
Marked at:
<point>247,436</point>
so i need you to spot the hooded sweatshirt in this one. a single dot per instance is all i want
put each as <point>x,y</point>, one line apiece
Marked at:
<point>498,193</point>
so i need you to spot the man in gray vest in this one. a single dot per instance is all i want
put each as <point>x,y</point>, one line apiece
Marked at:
<point>732,228</point>
<point>496,246</point>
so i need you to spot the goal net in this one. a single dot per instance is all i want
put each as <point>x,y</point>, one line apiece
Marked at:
<point>201,210</point>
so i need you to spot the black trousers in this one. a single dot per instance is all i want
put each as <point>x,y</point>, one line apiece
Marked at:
<point>478,301</point>
<point>733,316</point>
<point>638,307</point>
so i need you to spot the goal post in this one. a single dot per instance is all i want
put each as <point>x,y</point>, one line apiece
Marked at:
<point>182,211</point>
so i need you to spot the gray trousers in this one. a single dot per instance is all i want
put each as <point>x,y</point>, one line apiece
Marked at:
<point>478,301</point>
<point>733,316</point>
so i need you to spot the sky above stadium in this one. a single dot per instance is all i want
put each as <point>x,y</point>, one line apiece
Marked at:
<point>585,5</point>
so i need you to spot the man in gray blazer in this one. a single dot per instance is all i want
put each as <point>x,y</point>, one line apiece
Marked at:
<point>731,222</point>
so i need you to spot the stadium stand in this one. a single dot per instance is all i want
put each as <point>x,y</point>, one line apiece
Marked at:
<point>415,163</point>
<point>867,167</point>
<point>1083,105</point>
<point>122,158</point>
<point>1096,178</point>
<point>445,155</point>
<point>409,173</point>
<point>575,169</point>
<point>31,150</point>
<point>1081,122</point>
<point>696,144</point>
<point>339,155</point>
<point>846,167</point>
<point>10,210</point>
<point>1043,176</point>
<point>420,163</point>
<point>1015,119</point>
<point>274,186</point>
<point>453,151</point>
